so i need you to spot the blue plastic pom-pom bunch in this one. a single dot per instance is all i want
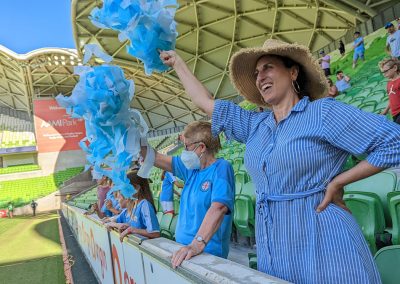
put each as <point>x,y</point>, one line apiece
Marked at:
<point>148,25</point>
<point>113,130</point>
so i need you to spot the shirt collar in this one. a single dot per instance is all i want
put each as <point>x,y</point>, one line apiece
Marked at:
<point>299,107</point>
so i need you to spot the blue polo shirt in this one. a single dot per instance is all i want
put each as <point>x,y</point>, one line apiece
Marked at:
<point>143,216</point>
<point>215,183</point>
<point>114,201</point>
<point>167,189</point>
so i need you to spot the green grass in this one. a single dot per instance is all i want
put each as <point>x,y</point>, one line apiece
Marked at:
<point>19,169</point>
<point>22,191</point>
<point>30,250</point>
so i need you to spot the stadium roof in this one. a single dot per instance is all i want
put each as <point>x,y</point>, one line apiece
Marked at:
<point>210,31</point>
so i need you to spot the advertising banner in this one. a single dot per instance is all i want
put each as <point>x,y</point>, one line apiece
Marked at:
<point>128,266</point>
<point>55,129</point>
<point>93,239</point>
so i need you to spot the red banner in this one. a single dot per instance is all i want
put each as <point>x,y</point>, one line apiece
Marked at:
<point>55,129</point>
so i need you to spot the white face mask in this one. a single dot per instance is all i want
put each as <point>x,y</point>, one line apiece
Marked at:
<point>190,159</point>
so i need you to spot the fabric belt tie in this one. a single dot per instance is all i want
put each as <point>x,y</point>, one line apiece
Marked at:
<point>263,208</point>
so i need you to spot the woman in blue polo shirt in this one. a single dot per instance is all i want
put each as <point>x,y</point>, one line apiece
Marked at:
<point>207,198</point>
<point>138,215</point>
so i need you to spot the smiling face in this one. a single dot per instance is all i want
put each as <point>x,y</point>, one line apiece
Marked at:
<point>273,79</point>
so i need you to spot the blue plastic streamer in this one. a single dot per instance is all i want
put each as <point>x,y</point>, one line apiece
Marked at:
<point>113,130</point>
<point>148,25</point>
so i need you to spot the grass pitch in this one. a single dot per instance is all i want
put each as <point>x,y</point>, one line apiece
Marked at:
<point>30,250</point>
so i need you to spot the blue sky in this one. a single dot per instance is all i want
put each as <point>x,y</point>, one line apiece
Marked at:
<point>26,25</point>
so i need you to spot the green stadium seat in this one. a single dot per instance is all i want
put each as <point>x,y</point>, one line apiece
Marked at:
<point>252,260</point>
<point>165,225</point>
<point>173,227</point>
<point>380,184</point>
<point>394,209</point>
<point>387,260</point>
<point>159,216</point>
<point>350,162</point>
<point>157,204</point>
<point>367,209</point>
<point>244,212</point>
<point>238,187</point>
<point>368,106</point>
<point>241,176</point>
<point>176,205</point>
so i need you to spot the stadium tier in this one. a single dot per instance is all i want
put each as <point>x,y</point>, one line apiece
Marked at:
<point>21,192</point>
<point>15,131</point>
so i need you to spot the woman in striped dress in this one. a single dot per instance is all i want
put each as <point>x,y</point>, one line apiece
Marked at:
<point>294,155</point>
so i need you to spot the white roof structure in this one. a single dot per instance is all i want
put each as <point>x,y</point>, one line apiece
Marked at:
<point>210,31</point>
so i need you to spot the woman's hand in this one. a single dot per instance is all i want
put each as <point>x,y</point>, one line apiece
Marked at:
<point>334,194</point>
<point>124,233</point>
<point>110,226</point>
<point>186,253</point>
<point>122,227</point>
<point>170,58</point>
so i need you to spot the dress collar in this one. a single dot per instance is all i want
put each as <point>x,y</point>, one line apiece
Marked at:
<point>299,107</point>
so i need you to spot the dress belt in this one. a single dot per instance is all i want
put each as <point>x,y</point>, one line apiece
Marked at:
<point>263,208</point>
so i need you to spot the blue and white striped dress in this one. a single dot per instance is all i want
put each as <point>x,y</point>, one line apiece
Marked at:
<point>290,164</point>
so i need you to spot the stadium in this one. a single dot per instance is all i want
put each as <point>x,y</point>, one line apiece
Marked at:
<point>61,146</point>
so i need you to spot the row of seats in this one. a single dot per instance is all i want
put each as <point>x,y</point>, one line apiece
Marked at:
<point>22,191</point>
<point>375,204</point>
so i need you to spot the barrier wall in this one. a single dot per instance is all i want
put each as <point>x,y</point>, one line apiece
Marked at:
<point>138,260</point>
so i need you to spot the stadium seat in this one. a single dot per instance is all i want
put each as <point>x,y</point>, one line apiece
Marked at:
<point>244,212</point>
<point>367,209</point>
<point>172,228</point>
<point>368,106</point>
<point>238,187</point>
<point>176,205</point>
<point>165,225</point>
<point>241,177</point>
<point>252,260</point>
<point>159,216</point>
<point>387,260</point>
<point>394,209</point>
<point>380,184</point>
<point>157,204</point>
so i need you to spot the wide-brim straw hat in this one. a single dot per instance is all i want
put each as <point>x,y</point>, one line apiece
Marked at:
<point>243,65</point>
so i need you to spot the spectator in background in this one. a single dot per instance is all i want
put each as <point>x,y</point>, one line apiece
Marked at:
<point>10,210</point>
<point>325,62</point>
<point>138,215</point>
<point>342,82</point>
<point>167,191</point>
<point>390,68</point>
<point>332,91</point>
<point>398,23</point>
<point>359,49</point>
<point>392,41</point>
<point>341,48</point>
<point>33,206</point>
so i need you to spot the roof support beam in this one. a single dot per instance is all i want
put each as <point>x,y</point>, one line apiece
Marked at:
<point>347,9</point>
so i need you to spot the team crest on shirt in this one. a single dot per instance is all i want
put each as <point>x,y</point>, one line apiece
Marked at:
<point>205,185</point>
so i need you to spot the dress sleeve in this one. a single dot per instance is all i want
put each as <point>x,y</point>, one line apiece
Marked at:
<point>230,118</point>
<point>359,132</point>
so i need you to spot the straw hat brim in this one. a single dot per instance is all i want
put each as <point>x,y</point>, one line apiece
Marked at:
<point>243,64</point>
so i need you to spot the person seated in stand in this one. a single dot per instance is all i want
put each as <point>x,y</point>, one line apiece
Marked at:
<point>207,198</point>
<point>343,81</point>
<point>111,205</point>
<point>332,90</point>
<point>167,191</point>
<point>138,215</point>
